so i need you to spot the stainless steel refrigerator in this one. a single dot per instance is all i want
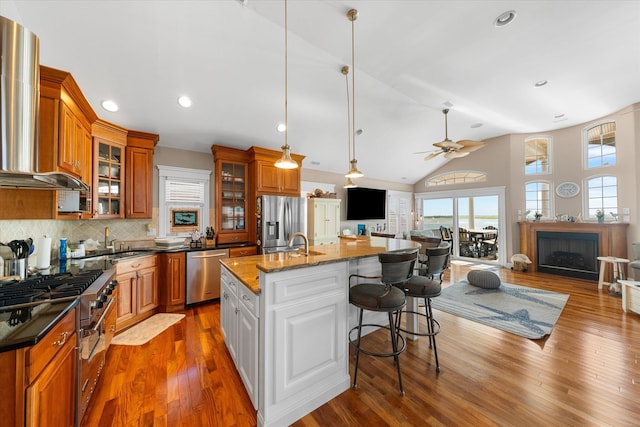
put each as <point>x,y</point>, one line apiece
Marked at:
<point>278,217</point>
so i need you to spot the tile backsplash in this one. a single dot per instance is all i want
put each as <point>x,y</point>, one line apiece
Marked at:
<point>130,229</point>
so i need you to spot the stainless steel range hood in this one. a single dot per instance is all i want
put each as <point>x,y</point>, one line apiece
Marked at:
<point>19,105</point>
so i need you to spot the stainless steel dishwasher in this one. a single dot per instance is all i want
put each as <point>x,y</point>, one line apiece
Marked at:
<point>203,275</point>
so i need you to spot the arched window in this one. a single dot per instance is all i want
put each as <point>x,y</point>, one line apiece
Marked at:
<point>600,145</point>
<point>537,155</point>
<point>538,199</point>
<point>451,178</point>
<point>602,195</point>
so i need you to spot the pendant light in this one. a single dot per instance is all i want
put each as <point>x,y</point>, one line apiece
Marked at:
<point>286,162</point>
<point>353,171</point>
<point>345,70</point>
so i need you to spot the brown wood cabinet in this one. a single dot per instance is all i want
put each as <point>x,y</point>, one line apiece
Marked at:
<point>139,174</point>
<point>137,290</point>
<point>64,145</point>
<point>270,179</point>
<point>108,165</point>
<point>39,382</point>
<point>172,281</point>
<point>65,125</point>
<point>243,251</point>
<point>233,195</point>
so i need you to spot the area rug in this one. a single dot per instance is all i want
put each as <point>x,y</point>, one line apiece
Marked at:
<point>528,312</point>
<point>148,329</point>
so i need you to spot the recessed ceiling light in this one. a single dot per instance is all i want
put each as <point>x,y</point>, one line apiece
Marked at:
<point>476,125</point>
<point>109,105</point>
<point>505,18</point>
<point>184,101</point>
<point>281,127</point>
<point>541,83</point>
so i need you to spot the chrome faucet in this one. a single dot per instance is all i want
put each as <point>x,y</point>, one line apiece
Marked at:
<point>306,241</point>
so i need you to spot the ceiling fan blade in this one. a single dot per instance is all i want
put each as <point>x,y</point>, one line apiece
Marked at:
<point>471,143</point>
<point>432,155</point>
<point>448,144</point>
<point>456,154</point>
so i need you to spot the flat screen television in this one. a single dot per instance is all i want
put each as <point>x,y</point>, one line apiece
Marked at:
<point>366,203</point>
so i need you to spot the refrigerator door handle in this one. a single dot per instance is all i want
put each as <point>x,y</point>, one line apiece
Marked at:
<point>287,221</point>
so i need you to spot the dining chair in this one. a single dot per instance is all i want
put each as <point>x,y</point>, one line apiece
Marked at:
<point>489,241</point>
<point>465,243</point>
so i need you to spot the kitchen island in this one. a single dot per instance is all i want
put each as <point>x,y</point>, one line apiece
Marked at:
<point>286,317</point>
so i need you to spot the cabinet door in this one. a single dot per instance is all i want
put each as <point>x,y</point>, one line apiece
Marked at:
<point>139,183</point>
<point>290,181</point>
<point>233,202</point>
<point>51,397</point>
<point>68,156</point>
<point>127,304</point>
<point>108,179</point>
<point>247,357</point>
<point>332,220</point>
<point>267,178</point>
<point>229,317</point>
<point>174,279</point>
<point>147,290</point>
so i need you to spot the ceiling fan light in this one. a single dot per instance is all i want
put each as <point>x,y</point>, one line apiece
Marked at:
<point>354,172</point>
<point>286,162</point>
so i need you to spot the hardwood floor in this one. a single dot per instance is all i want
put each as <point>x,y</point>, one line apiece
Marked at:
<point>587,372</point>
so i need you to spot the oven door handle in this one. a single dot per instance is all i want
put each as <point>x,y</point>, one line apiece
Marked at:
<point>103,315</point>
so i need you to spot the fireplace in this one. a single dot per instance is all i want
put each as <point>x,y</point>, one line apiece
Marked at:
<point>568,254</point>
<point>610,240</point>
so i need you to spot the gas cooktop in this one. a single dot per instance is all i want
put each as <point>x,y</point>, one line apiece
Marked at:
<point>46,287</point>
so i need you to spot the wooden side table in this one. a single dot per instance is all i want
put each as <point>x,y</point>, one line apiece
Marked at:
<point>630,295</point>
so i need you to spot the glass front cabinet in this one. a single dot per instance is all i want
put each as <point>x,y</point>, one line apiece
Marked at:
<point>108,201</point>
<point>232,201</point>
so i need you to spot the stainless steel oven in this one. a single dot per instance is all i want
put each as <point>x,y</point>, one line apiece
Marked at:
<point>96,330</point>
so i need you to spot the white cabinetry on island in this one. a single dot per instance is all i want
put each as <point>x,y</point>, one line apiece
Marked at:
<point>239,321</point>
<point>291,315</point>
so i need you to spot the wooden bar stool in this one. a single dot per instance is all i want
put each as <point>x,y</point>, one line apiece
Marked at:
<point>618,266</point>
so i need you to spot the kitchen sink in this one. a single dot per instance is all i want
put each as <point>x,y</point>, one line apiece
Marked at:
<point>300,253</point>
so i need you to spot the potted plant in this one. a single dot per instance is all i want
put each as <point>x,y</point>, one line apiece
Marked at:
<point>600,215</point>
<point>537,216</point>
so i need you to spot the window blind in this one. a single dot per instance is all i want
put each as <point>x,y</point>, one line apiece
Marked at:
<point>184,192</point>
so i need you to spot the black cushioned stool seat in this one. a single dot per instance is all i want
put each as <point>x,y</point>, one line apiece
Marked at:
<point>397,268</point>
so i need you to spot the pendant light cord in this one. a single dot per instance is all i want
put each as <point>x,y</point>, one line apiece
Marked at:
<point>286,77</point>
<point>346,79</point>
<point>353,16</point>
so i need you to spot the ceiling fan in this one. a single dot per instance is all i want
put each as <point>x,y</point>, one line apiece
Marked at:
<point>450,149</point>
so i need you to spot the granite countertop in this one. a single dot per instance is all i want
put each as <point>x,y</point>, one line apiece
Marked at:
<point>247,269</point>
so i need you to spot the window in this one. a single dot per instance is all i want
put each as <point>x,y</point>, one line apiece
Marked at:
<point>183,199</point>
<point>538,199</point>
<point>536,155</point>
<point>602,195</point>
<point>601,145</point>
<point>451,178</point>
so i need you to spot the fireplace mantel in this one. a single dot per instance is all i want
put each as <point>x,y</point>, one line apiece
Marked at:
<point>612,236</point>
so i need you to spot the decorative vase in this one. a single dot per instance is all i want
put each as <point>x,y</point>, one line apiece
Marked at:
<point>600,219</point>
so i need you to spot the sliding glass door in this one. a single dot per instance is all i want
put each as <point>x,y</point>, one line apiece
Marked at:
<point>473,218</point>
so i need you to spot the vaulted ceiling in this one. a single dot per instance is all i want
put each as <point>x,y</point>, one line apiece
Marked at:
<point>413,58</point>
